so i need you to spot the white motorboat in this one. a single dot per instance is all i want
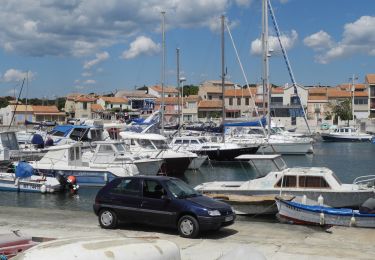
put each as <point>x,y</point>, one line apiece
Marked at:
<point>297,181</point>
<point>155,146</point>
<point>66,160</point>
<point>214,150</point>
<point>346,134</point>
<point>113,153</point>
<point>24,180</point>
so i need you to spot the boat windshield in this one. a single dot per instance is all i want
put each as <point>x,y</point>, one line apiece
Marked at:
<point>160,144</point>
<point>144,143</point>
<point>180,189</point>
<point>336,178</point>
<point>120,148</point>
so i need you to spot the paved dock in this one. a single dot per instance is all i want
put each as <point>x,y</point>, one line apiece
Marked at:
<point>273,240</point>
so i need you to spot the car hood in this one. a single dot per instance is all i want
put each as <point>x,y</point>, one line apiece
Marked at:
<point>207,202</point>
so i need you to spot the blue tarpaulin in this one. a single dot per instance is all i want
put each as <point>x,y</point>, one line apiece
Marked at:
<point>248,123</point>
<point>24,170</point>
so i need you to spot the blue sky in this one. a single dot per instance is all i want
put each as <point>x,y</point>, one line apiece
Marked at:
<point>100,46</point>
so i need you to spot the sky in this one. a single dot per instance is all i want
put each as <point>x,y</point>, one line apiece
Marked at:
<point>66,46</point>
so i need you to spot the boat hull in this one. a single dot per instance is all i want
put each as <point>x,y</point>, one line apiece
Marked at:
<point>317,215</point>
<point>175,166</point>
<point>287,148</point>
<point>196,163</point>
<point>337,199</point>
<point>343,138</point>
<point>227,154</point>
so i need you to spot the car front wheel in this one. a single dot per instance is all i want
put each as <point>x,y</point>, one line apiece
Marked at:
<point>107,218</point>
<point>188,226</point>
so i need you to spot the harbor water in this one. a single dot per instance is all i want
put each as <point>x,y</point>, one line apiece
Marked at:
<point>347,160</point>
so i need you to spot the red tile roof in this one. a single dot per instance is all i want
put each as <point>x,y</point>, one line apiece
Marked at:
<point>167,100</point>
<point>96,107</point>
<point>166,89</point>
<point>210,104</point>
<point>240,92</point>
<point>370,78</point>
<point>85,99</point>
<point>115,100</point>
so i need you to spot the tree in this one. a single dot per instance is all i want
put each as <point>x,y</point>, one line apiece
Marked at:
<point>342,109</point>
<point>190,90</point>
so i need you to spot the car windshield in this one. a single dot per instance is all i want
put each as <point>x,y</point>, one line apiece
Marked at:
<point>180,189</point>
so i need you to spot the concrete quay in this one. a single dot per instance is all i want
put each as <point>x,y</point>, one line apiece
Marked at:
<point>273,240</point>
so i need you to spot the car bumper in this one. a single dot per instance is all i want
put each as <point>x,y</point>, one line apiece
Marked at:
<point>209,223</point>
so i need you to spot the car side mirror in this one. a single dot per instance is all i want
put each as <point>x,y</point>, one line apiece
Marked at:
<point>165,197</point>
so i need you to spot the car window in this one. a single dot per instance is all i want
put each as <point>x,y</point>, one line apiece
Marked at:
<point>127,187</point>
<point>180,189</point>
<point>153,189</point>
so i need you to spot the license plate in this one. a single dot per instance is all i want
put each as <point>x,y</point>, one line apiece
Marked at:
<point>229,218</point>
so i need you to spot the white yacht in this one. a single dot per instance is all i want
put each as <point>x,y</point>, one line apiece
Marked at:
<point>113,153</point>
<point>214,150</point>
<point>346,134</point>
<point>297,181</point>
<point>155,146</point>
<point>66,160</point>
<point>276,143</point>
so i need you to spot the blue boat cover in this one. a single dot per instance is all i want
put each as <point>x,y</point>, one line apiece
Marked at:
<point>67,128</point>
<point>328,210</point>
<point>37,139</point>
<point>24,170</point>
<point>248,123</point>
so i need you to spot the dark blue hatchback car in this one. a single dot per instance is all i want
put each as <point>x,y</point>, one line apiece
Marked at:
<point>161,201</point>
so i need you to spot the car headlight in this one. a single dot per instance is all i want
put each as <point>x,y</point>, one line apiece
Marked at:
<point>214,212</point>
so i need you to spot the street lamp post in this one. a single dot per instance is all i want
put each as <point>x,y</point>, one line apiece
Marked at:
<point>182,80</point>
<point>354,77</point>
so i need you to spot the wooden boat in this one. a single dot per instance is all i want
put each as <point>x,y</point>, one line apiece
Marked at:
<point>248,204</point>
<point>299,213</point>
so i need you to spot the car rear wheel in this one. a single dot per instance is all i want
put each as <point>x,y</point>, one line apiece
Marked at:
<point>107,218</point>
<point>188,226</point>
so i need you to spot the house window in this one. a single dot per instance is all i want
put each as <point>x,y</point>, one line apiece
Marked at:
<point>84,105</point>
<point>238,101</point>
<point>288,181</point>
<point>247,101</point>
<point>231,101</point>
<point>209,97</point>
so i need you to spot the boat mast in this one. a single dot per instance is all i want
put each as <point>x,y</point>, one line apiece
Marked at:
<point>178,88</point>
<point>266,86</point>
<point>223,76</point>
<point>163,72</point>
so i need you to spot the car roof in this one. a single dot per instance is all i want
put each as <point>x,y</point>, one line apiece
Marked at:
<point>148,177</point>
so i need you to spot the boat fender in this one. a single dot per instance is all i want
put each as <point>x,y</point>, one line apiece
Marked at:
<point>352,222</point>
<point>320,200</point>
<point>304,198</point>
<point>321,219</point>
<point>43,189</point>
<point>17,182</point>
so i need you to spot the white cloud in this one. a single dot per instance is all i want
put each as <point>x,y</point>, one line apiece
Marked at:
<point>86,74</point>
<point>14,75</point>
<point>215,24</point>
<point>244,3</point>
<point>89,82</point>
<point>141,45</point>
<point>100,57</point>
<point>319,40</point>
<point>288,42</point>
<point>358,38</point>
<point>83,27</point>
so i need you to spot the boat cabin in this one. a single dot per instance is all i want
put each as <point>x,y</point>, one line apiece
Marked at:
<point>77,133</point>
<point>144,141</point>
<point>282,177</point>
<point>109,151</point>
<point>345,130</point>
<point>68,154</point>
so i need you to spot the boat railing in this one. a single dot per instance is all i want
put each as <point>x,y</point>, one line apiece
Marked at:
<point>365,181</point>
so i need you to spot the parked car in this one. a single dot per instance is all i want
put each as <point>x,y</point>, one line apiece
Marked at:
<point>161,201</point>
